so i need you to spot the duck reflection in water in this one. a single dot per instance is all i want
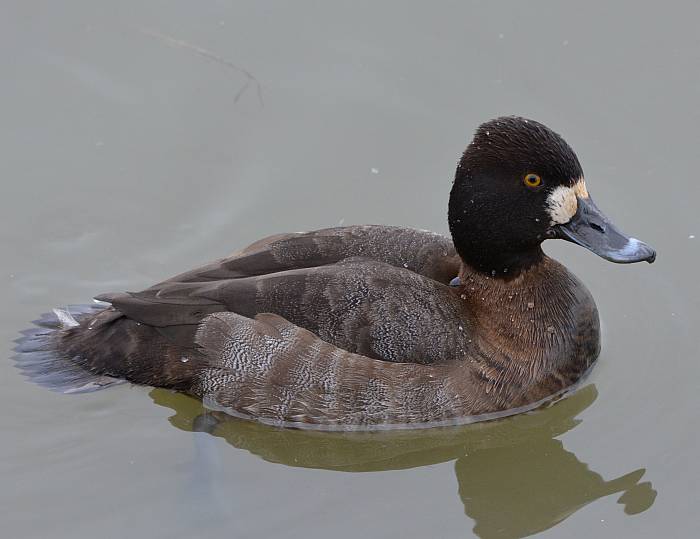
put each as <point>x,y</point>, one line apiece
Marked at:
<point>515,477</point>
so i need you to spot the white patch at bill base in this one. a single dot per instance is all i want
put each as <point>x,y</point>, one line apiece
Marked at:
<point>562,202</point>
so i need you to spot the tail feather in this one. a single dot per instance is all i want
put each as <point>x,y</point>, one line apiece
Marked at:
<point>40,359</point>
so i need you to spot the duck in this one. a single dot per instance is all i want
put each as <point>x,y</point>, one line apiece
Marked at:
<point>370,327</point>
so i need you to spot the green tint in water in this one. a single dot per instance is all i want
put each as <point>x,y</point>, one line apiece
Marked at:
<point>125,158</point>
<point>515,477</point>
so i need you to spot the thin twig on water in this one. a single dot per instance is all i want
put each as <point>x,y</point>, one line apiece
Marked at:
<point>173,42</point>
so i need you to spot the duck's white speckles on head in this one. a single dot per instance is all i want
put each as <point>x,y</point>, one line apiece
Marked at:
<point>562,202</point>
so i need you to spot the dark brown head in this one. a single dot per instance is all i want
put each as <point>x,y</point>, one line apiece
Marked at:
<point>519,183</point>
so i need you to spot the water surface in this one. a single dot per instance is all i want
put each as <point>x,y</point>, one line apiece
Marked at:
<point>141,139</point>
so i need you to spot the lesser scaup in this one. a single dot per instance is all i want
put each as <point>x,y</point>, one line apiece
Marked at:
<point>358,327</point>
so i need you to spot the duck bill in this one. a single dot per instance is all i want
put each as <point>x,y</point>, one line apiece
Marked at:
<point>590,228</point>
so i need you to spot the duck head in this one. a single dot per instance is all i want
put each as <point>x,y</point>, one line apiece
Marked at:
<point>519,183</point>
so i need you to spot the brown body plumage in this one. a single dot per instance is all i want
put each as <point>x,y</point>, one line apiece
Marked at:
<point>355,327</point>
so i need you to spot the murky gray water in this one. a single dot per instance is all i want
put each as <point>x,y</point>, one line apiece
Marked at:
<point>140,140</point>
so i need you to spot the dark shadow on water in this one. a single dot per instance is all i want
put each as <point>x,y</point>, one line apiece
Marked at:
<point>515,477</point>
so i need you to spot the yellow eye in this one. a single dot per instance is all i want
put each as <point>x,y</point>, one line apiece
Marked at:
<point>532,180</point>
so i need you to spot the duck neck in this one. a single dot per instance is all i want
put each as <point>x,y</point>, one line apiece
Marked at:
<point>498,262</point>
<point>543,320</point>
<point>492,247</point>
